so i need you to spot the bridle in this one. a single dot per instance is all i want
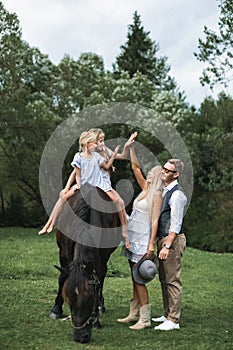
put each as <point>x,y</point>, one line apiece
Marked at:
<point>94,281</point>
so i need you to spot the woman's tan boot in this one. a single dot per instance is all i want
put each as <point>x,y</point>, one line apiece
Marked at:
<point>144,320</point>
<point>133,313</point>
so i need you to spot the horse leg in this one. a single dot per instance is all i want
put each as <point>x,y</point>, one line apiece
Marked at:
<point>56,311</point>
<point>104,257</point>
<point>100,309</point>
<point>65,257</point>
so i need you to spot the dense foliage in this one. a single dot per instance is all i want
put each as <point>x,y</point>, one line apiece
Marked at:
<point>36,96</point>
<point>217,48</point>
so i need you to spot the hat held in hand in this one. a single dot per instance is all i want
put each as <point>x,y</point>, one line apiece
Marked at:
<point>145,270</point>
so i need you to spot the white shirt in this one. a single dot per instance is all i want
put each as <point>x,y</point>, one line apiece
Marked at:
<point>177,203</point>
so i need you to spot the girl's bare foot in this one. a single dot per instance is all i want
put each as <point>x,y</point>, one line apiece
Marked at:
<point>50,228</point>
<point>127,244</point>
<point>43,231</point>
<point>125,236</point>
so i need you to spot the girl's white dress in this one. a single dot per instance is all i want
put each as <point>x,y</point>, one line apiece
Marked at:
<point>139,230</point>
<point>91,171</point>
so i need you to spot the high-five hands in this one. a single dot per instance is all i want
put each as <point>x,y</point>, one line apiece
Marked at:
<point>131,140</point>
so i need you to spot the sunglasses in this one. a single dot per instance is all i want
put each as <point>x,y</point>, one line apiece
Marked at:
<point>169,171</point>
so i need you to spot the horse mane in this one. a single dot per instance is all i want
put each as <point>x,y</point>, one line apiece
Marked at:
<point>76,282</point>
<point>80,272</point>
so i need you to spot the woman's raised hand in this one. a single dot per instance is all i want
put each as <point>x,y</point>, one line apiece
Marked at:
<point>131,140</point>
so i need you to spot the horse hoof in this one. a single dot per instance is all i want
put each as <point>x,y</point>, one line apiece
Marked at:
<point>56,312</point>
<point>96,325</point>
<point>54,316</point>
<point>103,309</point>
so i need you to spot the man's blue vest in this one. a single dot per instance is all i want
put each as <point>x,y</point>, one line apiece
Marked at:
<point>165,219</point>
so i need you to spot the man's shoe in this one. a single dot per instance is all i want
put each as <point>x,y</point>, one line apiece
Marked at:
<point>168,326</point>
<point>159,319</point>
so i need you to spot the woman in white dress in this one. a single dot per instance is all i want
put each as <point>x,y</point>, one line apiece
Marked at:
<point>142,230</point>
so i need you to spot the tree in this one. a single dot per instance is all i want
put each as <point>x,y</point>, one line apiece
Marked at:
<point>209,138</point>
<point>27,112</point>
<point>139,54</point>
<point>217,49</point>
<point>82,83</point>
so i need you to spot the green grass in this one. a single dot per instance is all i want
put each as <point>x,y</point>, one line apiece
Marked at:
<point>28,287</point>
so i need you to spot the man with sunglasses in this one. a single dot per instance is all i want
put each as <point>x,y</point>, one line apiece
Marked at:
<point>171,244</point>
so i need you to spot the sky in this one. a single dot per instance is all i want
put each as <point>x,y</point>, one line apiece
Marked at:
<point>59,27</point>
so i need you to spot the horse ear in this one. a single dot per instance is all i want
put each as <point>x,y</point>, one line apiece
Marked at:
<point>59,268</point>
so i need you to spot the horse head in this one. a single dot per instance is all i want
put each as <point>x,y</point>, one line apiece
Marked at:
<point>82,292</point>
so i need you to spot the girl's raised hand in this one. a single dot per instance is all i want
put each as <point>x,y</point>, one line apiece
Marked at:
<point>116,150</point>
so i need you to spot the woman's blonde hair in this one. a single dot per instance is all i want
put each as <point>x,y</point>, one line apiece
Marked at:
<point>85,138</point>
<point>152,188</point>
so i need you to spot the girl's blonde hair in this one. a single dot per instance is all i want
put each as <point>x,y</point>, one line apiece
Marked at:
<point>152,188</point>
<point>104,153</point>
<point>85,138</point>
<point>97,132</point>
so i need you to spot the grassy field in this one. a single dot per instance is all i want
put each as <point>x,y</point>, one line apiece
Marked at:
<point>29,285</point>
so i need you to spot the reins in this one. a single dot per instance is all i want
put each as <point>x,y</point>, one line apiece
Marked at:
<point>95,281</point>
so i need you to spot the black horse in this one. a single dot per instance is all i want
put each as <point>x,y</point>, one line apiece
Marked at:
<point>86,242</point>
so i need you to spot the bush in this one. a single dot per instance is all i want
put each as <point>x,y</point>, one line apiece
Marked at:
<point>210,229</point>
